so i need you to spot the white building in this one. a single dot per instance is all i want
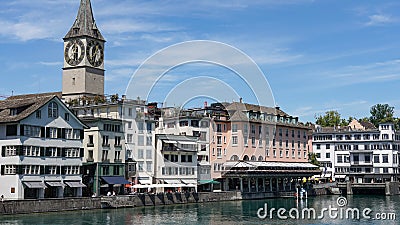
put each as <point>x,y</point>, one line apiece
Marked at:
<point>359,153</point>
<point>190,122</point>
<point>41,143</point>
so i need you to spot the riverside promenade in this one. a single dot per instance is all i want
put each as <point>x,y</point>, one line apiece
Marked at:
<point>127,201</point>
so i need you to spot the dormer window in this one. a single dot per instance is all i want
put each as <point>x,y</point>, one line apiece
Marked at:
<point>53,110</point>
<point>13,112</point>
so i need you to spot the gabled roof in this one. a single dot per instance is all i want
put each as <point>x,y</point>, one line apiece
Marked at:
<point>367,125</point>
<point>25,105</point>
<point>84,24</point>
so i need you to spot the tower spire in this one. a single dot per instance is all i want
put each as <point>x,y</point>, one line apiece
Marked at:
<point>85,24</point>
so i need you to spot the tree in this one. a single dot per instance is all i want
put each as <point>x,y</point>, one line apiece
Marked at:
<point>381,113</point>
<point>312,158</point>
<point>330,119</point>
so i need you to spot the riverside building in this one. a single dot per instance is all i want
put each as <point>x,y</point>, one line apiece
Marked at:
<point>41,148</point>
<point>359,153</point>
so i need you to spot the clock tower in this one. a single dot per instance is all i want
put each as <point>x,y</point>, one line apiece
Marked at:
<point>83,71</point>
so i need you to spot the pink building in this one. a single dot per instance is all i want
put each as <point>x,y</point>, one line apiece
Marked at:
<point>255,137</point>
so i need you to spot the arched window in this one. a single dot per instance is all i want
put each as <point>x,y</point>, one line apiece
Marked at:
<point>260,158</point>
<point>246,158</point>
<point>253,158</point>
<point>235,158</point>
<point>53,110</point>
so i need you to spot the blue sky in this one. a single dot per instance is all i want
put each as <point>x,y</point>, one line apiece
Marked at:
<point>316,55</point>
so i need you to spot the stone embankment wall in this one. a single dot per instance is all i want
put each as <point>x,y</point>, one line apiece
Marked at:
<point>126,201</point>
<point>48,205</point>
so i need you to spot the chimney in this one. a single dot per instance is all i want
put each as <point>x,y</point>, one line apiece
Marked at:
<point>241,100</point>
<point>205,104</point>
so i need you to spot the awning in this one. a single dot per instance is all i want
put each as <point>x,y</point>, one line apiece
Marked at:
<point>187,143</point>
<point>115,180</point>
<point>189,181</point>
<point>208,182</point>
<point>145,181</point>
<point>75,184</point>
<point>172,181</point>
<point>169,142</point>
<point>32,184</point>
<point>55,183</point>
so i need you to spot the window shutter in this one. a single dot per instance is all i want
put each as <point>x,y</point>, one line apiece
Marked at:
<point>42,170</point>
<point>47,132</point>
<point>21,130</point>
<point>2,169</point>
<point>82,152</point>
<point>43,152</point>
<point>82,134</point>
<point>3,151</point>
<point>19,169</point>
<point>59,130</point>
<point>63,133</point>
<point>20,150</point>
<point>62,170</point>
<point>43,132</point>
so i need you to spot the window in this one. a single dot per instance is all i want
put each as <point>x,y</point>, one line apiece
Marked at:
<point>91,140</point>
<point>328,146</point>
<point>234,140</point>
<point>318,146</point>
<point>367,158</point>
<point>140,166</point>
<point>140,140</point>
<point>38,114</point>
<point>219,128</point>
<point>52,151</point>
<point>104,155</point>
<point>71,152</point>
<point>339,158</point>
<point>253,141</point>
<point>129,138</point>
<point>117,155</point>
<point>68,133</point>
<point>106,170</point>
<point>219,153</point>
<point>385,158</point>
<point>148,154</point>
<point>253,129</point>
<point>129,125</point>
<point>105,141</point>
<point>385,170</point>
<point>117,141</point>
<point>219,140</point>
<point>10,169</point>
<point>11,130</point>
<point>52,132</point>
<point>53,110</point>
<point>140,153</point>
<point>327,155</point>
<point>149,166</point>
<point>66,116</point>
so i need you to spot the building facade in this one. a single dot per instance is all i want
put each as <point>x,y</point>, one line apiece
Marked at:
<point>41,143</point>
<point>358,153</point>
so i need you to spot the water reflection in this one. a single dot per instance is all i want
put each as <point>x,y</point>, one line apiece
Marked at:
<point>217,213</point>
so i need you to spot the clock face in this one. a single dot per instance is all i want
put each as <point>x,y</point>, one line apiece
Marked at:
<point>74,52</point>
<point>94,53</point>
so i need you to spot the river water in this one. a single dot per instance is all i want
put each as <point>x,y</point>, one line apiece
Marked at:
<point>234,212</point>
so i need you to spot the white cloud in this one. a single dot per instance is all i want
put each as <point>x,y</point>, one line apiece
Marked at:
<point>379,19</point>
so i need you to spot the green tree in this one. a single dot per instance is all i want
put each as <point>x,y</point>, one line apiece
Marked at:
<point>312,158</point>
<point>330,119</point>
<point>381,113</point>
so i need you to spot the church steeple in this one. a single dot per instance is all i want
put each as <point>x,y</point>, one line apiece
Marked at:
<point>83,71</point>
<point>84,24</point>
